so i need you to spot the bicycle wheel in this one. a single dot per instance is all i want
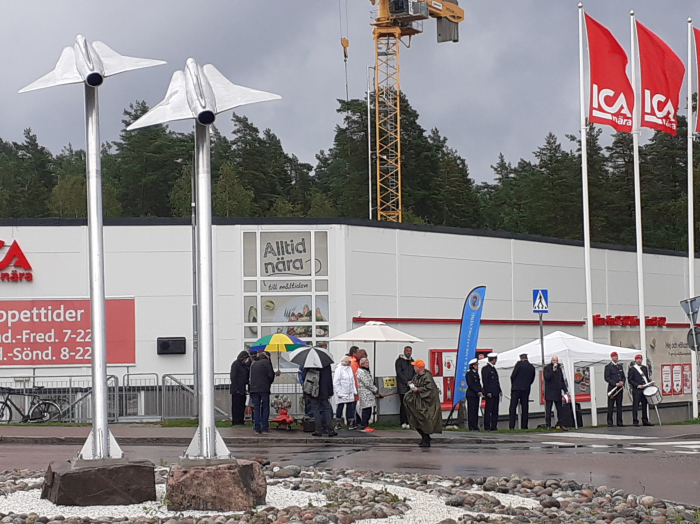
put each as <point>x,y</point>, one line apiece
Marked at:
<point>5,413</point>
<point>45,411</point>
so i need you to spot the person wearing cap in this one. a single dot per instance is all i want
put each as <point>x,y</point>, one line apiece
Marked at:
<point>615,377</point>
<point>474,395</point>
<point>521,380</point>
<point>423,404</point>
<point>554,386</point>
<point>638,378</point>
<point>492,391</point>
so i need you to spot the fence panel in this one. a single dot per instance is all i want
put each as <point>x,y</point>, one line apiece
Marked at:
<point>140,397</point>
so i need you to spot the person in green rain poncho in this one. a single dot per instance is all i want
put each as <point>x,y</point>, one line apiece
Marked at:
<point>422,403</point>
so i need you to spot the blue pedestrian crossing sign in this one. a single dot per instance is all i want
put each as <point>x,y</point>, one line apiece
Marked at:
<point>540,301</point>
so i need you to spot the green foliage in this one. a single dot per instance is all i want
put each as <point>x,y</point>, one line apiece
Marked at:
<point>231,199</point>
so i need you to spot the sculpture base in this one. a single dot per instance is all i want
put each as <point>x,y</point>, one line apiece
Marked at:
<point>225,487</point>
<point>104,484</point>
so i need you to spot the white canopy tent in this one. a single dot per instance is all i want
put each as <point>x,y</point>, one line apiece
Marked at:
<point>571,351</point>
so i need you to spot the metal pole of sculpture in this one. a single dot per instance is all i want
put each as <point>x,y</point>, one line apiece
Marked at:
<point>201,93</point>
<point>91,63</point>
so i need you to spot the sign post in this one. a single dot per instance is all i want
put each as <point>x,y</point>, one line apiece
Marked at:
<point>540,305</point>
<point>691,307</point>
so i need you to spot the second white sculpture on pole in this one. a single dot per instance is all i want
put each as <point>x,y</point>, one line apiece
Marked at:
<point>201,93</point>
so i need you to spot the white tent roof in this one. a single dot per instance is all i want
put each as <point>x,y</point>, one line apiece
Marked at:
<point>568,348</point>
<point>375,332</point>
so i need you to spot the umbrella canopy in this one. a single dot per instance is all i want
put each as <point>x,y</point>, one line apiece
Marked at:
<point>375,332</point>
<point>278,342</point>
<point>568,348</point>
<point>310,357</point>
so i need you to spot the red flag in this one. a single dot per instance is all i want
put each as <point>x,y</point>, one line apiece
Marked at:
<point>696,33</point>
<point>662,78</point>
<point>612,98</point>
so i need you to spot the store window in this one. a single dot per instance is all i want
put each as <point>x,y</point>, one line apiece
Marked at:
<point>286,287</point>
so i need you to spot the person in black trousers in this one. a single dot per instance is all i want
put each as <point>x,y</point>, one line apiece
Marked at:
<point>240,370</point>
<point>404,374</point>
<point>521,380</point>
<point>554,385</point>
<point>492,392</point>
<point>638,377</point>
<point>262,374</point>
<point>615,377</point>
<point>474,395</point>
<point>320,405</point>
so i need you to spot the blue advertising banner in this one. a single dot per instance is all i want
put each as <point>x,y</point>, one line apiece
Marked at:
<point>468,337</point>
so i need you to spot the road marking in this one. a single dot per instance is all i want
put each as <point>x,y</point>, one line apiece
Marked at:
<point>693,443</point>
<point>560,444</point>
<point>635,448</point>
<point>602,436</point>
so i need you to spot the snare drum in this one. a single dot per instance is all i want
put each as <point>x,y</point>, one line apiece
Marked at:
<point>653,395</point>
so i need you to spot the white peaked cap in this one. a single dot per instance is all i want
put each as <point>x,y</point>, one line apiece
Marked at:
<point>473,361</point>
<point>492,355</point>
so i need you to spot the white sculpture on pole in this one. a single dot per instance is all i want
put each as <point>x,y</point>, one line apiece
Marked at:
<point>91,63</point>
<point>201,93</point>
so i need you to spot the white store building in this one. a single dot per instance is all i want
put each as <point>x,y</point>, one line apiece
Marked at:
<point>318,278</point>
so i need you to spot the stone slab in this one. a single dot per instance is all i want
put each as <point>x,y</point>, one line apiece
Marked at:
<point>107,485</point>
<point>225,487</point>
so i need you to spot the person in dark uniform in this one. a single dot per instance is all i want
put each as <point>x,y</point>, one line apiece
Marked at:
<point>404,374</point>
<point>474,395</point>
<point>240,370</point>
<point>615,377</point>
<point>521,380</point>
<point>554,385</point>
<point>638,377</point>
<point>492,391</point>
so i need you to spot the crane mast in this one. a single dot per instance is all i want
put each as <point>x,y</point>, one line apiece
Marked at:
<point>397,19</point>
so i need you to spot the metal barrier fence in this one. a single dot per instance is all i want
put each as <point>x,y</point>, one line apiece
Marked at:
<point>73,394</point>
<point>140,397</point>
<point>146,396</point>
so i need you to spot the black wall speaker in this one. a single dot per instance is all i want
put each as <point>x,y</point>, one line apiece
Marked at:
<point>171,346</point>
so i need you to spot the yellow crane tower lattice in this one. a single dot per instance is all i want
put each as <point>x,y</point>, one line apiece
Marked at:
<point>397,19</point>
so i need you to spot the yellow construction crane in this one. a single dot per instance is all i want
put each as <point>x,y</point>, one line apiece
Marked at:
<point>397,19</point>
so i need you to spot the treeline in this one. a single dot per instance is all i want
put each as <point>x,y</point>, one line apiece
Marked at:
<point>147,173</point>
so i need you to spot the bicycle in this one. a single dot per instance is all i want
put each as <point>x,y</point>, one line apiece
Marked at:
<point>40,410</point>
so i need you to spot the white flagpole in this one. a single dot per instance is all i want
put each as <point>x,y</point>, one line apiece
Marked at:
<point>586,211</point>
<point>691,213</point>
<point>637,189</point>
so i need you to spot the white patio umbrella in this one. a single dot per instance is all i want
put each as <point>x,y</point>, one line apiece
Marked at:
<point>570,350</point>
<point>375,332</point>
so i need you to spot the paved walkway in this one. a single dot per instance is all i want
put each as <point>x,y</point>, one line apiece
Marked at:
<point>153,434</point>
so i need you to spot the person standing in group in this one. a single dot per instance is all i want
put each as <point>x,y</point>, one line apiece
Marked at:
<point>359,355</point>
<point>521,380</point>
<point>423,404</point>
<point>240,376</point>
<point>638,377</point>
<point>492,391</point>
<point>615,377</point>
<point>554,385</point>
<point>474,395</point>
<point>262,375</point>
<point>404,374</point>
<point>345,390</point>
<point>317,395</point>
<point>368,394</point>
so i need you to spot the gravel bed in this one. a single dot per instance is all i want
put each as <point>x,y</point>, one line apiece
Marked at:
<point>299,495</point>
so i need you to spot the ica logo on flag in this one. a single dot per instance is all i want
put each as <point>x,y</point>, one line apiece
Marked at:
<point>662,78</point>
<point>612,98</point>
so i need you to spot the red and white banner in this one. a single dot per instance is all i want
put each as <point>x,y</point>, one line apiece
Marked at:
<point>612,98</point>
<point>57,332</point>
<point>662,77</point>
<point>696,34</point>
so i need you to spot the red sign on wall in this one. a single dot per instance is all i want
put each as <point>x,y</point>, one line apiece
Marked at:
<point>57,332</point>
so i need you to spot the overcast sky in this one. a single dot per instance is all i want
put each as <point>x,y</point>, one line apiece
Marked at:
<point>511,79</point>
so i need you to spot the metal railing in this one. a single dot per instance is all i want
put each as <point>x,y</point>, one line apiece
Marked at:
<point>179,400</point>
<point>140,397</point>
<point>73,394</point>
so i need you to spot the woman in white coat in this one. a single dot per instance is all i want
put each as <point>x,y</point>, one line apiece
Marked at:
<point>344,389</point>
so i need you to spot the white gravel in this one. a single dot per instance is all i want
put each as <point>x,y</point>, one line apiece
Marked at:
<point>29,501</point>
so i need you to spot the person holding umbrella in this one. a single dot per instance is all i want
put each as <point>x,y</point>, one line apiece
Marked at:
<point>317,385</point>
<point>423,404</point>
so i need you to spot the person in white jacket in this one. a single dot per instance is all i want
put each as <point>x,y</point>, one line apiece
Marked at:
<point>344,389</point>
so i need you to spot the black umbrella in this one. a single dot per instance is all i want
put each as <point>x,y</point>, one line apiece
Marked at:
<point>310,357</point>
